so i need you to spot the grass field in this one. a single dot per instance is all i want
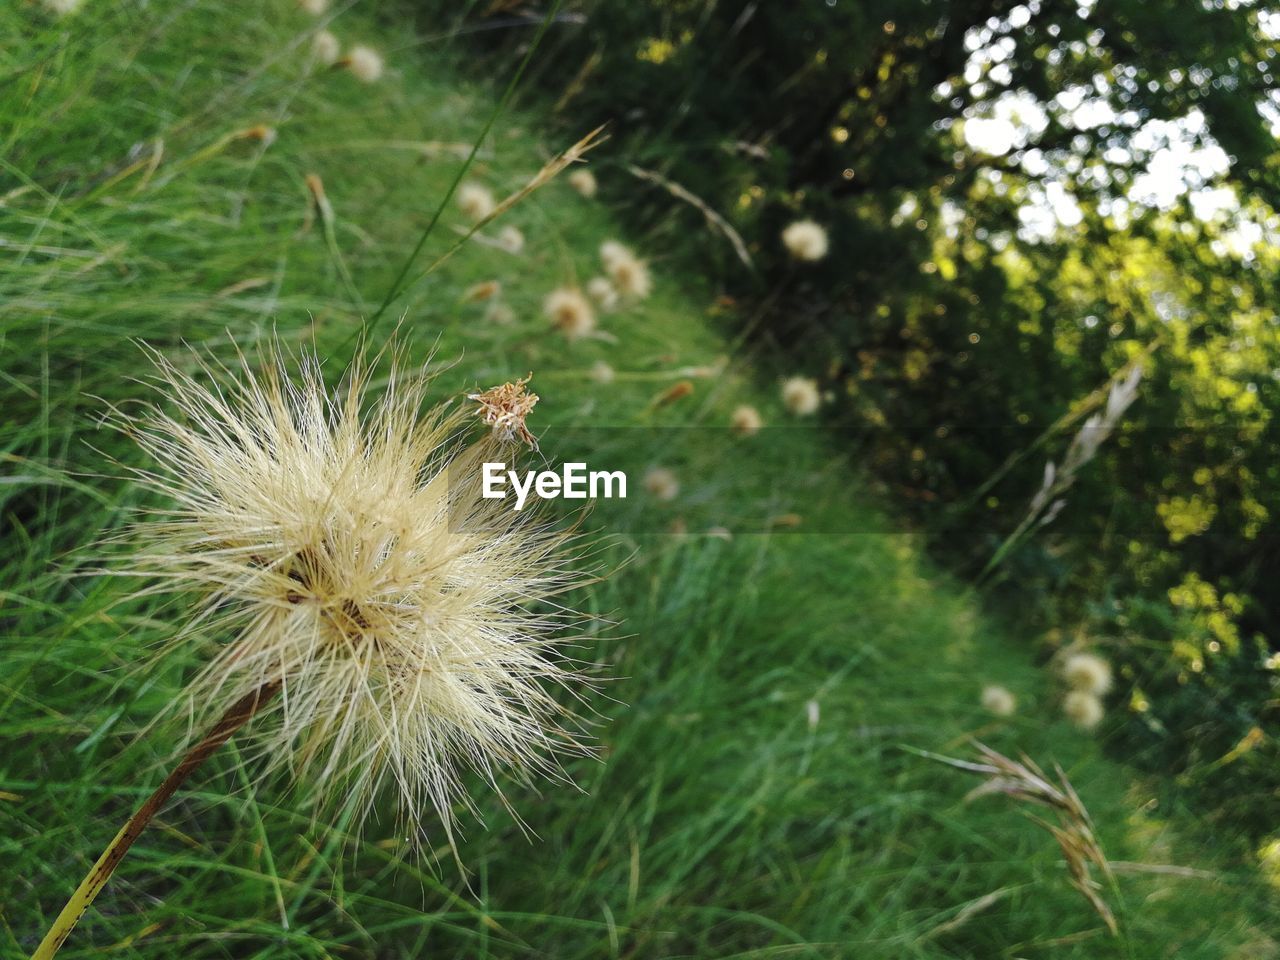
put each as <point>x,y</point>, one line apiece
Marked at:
<point>754,795</point>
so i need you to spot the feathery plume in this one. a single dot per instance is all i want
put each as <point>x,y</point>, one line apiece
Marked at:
<point>475,201</point>
<point>365,63</point>
<point>570,312</point>
<point>1072,828</point>
<point>357,597</point>
<point>480,292</point>
<point>800,396</point>
<point>805,240</point>
<point>584,181</point>
<point>316,8</point>
<point>500,313</point>
<point>326,48</point>
<point>998,700</point>
<point>601,372</point>
<point>746,421</point>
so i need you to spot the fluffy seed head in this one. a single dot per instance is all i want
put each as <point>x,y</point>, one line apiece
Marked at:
<point>584,181</point>
<point>612,252</point>
<point>746,421</point>
<point>601,372</point>
<point>1082,708</point>
<point>365,64</point>
<point>800,396</point>
<point>475,201</point>
<point>996,699</point>
<point>63,8</point>
<point>571,312</point>
<point>631,278</point>
<point>326,48</point>
<point>661,484</point>
<point>805,240</point>
<point>602,292</point>
<point>499,313</point>
<point>314,7</point>
<point>336,544</point>
<point>1088,672</point>
<point>511,239</point>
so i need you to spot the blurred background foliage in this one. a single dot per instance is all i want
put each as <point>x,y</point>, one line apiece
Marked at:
<point>1022,200</point>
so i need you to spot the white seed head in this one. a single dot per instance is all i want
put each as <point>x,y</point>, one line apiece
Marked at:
<point>631,278</point>
<point>601,372</point>
<point>800,396</point>
<point>475,201</point>
<point>805,240</point>
<point>365,64</point>
<point>746,421</point>
<point>998,700</point>
<point>62,8</point>
<point>602,292</point>
<point>332,542</point>
<point>661,484</point>
<point>584,181</point>
<point>1088,672</point>
<point>326,48</point>
<point>1082,708</point>
<point>314,7</point>
<point>511,239</point>
<point>570,312</point>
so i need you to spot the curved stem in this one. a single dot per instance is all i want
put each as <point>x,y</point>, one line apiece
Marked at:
<point>236,716</point>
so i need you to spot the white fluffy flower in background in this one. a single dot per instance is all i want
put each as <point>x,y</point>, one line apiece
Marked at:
<point>365,63</point>
<point>998,700</point>
<point>1088,672</point>
<point>570,312</point>
<point>584,181</point>
<point>805,240</point>
<point>326,48</point>
<point>475,201</point>
<point>603,292</point>
<point>800,396</point>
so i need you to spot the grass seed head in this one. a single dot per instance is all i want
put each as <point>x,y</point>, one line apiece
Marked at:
<point>805,240</point>
<point>316,8</point>
<point>335,543</point>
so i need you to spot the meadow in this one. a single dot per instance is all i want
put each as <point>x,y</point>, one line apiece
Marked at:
<point>776,652</point>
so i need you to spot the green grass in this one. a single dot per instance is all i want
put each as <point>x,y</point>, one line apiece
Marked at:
<point>719,820</point>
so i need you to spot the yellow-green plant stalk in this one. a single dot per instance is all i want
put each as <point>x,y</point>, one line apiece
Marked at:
<point>387,623</point>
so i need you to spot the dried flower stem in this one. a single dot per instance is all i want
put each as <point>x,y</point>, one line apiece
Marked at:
<point>237,715</point>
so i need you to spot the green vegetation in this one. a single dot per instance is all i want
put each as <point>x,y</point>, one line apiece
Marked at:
<point>1022,199</point>
<point>754,794</point>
